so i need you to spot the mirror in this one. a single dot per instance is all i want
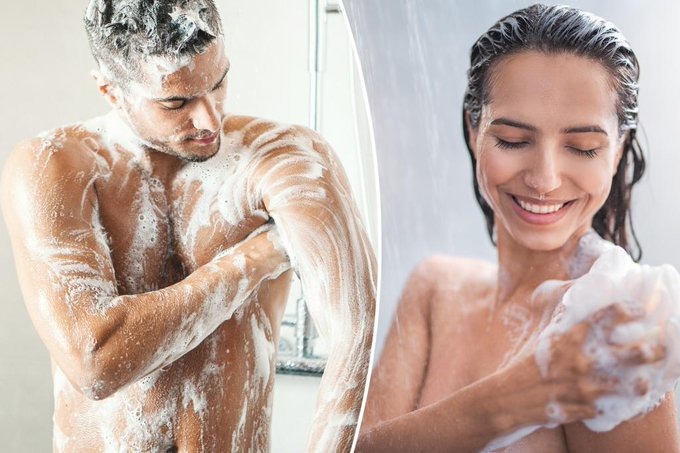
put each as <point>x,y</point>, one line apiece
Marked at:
<point>291,61</point>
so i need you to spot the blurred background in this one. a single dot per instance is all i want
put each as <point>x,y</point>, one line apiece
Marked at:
<point>291,61</point>
<point>415,54</point>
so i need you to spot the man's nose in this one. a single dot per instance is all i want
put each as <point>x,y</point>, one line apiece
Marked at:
<point>544,173</point>
<point>206,114</point>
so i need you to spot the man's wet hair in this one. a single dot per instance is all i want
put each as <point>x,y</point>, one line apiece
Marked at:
<point>123,34</point>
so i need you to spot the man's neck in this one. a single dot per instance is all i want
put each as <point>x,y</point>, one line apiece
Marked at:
<point>117,135</point>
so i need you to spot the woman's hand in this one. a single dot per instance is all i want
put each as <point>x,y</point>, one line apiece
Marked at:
<point>572,367</point>
<point>561,376</point>
<point>626,318</point>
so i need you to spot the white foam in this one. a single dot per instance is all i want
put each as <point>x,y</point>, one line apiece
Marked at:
<point>509,439</point>
<point>651,292</point>
<point>331,253</point>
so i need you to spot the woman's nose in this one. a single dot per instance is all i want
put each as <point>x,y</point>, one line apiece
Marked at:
<point>544,173</point>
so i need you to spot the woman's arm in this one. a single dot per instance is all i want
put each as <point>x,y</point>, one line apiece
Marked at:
<point>467,420</point>
<point>398,376</point>
<point>656,431</point>
<point>507,405</point>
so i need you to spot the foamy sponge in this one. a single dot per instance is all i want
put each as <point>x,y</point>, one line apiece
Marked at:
<point>651,298</point>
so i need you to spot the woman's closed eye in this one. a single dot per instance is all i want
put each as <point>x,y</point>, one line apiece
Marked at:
<point>589,153</point>
<point>510,144</point>
<point>516,144</point>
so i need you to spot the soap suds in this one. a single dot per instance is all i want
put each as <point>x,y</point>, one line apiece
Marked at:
<point>653,293</point>
<point>327,244</point>
<point>650,297</point>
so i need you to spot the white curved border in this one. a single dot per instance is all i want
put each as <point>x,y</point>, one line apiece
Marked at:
<point>378,245</point>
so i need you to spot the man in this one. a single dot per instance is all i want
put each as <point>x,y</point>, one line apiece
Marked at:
<point>154,247</point>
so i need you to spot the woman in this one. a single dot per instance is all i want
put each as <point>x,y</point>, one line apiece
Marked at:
<point>550,117</point>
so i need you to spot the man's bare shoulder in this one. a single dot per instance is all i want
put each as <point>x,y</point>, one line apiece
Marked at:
<point>61,157</point>
<point>255,129</point>
<point>52,152</point>
<point>276,151</point>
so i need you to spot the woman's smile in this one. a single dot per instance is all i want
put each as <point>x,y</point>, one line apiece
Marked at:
<point>549,128</point>
<point>539,212</point>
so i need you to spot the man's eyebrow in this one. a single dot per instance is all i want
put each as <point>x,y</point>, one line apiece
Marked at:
<point>172,98</point>
<point>512,123</point>
<point>186,99</point>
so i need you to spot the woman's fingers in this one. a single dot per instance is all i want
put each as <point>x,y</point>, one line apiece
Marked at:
<point>614,314</point>
<point>640,354</point>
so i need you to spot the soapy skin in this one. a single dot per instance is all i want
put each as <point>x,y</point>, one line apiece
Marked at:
<point>460,370</point>
<point>158,285</point>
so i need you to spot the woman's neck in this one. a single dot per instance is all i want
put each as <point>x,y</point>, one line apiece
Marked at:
<point>521,270</point>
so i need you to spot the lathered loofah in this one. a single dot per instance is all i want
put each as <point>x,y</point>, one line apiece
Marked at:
<point>651,296</point>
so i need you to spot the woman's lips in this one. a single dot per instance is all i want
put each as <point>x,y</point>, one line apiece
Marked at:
<point>539,212</point>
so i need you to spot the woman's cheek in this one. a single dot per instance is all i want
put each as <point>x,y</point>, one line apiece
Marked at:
<point>496,168</point>
<point>593,176</point>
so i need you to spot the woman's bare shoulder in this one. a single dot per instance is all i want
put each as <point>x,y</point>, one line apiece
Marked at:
<point>448,281</point>
<point>453,273</point>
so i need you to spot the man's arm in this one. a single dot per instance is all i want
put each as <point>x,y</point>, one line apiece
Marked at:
<point>306,192</point>
<point>100,339</point>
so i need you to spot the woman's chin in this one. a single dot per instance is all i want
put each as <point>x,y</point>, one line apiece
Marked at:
<point>543,240</point>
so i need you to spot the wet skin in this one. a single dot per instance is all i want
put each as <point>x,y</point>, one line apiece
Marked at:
<point>449,333</point>
<point>221,369</point>
<point>160,313</point>
<point>458,367</point>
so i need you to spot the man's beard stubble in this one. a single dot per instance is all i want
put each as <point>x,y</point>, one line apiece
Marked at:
<point>164,148</point>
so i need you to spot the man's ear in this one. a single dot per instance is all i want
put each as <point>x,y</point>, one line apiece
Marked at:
<point>106,88</point>
<point>472,133</point>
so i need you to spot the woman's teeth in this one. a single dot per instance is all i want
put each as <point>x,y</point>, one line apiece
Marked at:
<point>539,209</point>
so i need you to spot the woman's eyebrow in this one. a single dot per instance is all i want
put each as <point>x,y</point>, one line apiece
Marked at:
<point>513,123</point>
<point>584,129</point>
<point>568,130</point>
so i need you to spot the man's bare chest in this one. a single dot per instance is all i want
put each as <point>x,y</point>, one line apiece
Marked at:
<point>160,230</point>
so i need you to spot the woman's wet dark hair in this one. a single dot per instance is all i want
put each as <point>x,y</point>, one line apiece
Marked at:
<point>554,30</point>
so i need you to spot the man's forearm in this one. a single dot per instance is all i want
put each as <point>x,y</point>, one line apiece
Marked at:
<point>342,389</point>
<point>141,333</point>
